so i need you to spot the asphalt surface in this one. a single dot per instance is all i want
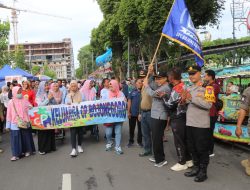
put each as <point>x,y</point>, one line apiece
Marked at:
<point>97,169</point>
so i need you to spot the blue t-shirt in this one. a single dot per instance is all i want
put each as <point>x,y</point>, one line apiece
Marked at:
<point>135,97</point>
<point>125,90</point>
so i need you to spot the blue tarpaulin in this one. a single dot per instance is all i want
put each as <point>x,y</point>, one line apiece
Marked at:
<point>8,71</point>
<point>24,73</point>
<point>230,71</point>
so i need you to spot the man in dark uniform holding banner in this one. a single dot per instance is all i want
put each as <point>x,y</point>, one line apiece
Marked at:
<point>198,125</point>
<point>244,110</point>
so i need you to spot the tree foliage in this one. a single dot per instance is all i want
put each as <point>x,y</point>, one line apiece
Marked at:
<point>48,72</point>
<point>142,21</point>
<point>4,35</point>
<point>236,57</point>
<point>19,58</point>
<point>86,66</point>
<point>35,69</point>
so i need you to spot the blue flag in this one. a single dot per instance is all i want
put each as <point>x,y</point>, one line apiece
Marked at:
<point>179,28</point>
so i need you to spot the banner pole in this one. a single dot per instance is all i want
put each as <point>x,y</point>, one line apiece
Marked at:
<point>156,51</point>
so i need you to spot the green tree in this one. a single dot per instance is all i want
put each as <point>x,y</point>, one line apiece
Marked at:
<point>35,69</point>
<point>19,58</point>
<point>4,35</point>
<point>142,21</point>
<point>79,73</point>
<point>86,66</point>
<point>48,72</point>
<point>229,57</point>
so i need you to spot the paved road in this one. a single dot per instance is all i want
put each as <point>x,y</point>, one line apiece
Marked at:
<point>96,169</point>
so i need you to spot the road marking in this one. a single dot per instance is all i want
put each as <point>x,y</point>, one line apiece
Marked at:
<point>66,182</point>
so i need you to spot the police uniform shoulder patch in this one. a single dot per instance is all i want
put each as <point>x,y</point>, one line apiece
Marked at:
<point>209,94</point>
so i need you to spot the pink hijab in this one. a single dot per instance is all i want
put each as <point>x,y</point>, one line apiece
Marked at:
<point>21,105</point>
<point>116,87</point>
<point>57,95</point>
<point>89,94</point>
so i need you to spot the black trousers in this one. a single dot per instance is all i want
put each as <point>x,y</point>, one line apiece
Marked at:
<point>132,124</point>
<point>198,144</point>
<point>179,129</point>
<point>3,123</point>
<point>76,133</point>
<point>46,140</point>
<point>212,126</point>
<point>158,127</point>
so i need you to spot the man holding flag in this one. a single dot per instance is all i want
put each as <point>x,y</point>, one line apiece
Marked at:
<point>180,29</point>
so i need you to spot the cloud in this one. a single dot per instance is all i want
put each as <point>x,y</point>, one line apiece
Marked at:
<point>225,29</point>
<point>85,16</point>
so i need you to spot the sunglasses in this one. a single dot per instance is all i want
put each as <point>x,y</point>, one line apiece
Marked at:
<point>191,74</point>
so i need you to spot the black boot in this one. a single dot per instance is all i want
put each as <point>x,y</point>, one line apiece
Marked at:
<point>195,170</point>
<point>202,175</point>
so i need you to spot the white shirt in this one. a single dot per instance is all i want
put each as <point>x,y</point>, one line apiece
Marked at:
<point>104,93</point>
<point>4,99</point>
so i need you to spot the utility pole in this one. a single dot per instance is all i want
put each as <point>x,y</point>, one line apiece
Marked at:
<point>128,73</point>
<point>233,14</point>
<point>14,24</point>
<point>86,66</point>
<point>234,37</point>
<point>92,61</point>
<point>30,60</point>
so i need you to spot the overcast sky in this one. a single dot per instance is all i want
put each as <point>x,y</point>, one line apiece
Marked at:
<point>85,16</point>
<point>225,29</point>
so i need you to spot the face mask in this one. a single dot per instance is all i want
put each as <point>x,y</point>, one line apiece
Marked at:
<point>19,96</point>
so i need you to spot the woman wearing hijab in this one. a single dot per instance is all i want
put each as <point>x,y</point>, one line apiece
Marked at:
<point>88,91</point>
<point>46,138</point>
<point>21,139</point>
<point>76,133</point>
<point>89,94</point>
<point>114,92</point>
<point>28,93</point>
<point>56,93</point>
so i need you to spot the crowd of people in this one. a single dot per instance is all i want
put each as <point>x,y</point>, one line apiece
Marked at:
<point>155,101</point>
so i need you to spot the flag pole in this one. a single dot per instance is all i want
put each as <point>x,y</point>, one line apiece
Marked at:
<point>156,51</point>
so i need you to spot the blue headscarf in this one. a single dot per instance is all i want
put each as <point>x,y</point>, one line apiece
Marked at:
<point>41,89</point>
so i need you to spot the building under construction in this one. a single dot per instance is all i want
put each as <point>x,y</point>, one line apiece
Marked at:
<point>58,55</point>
